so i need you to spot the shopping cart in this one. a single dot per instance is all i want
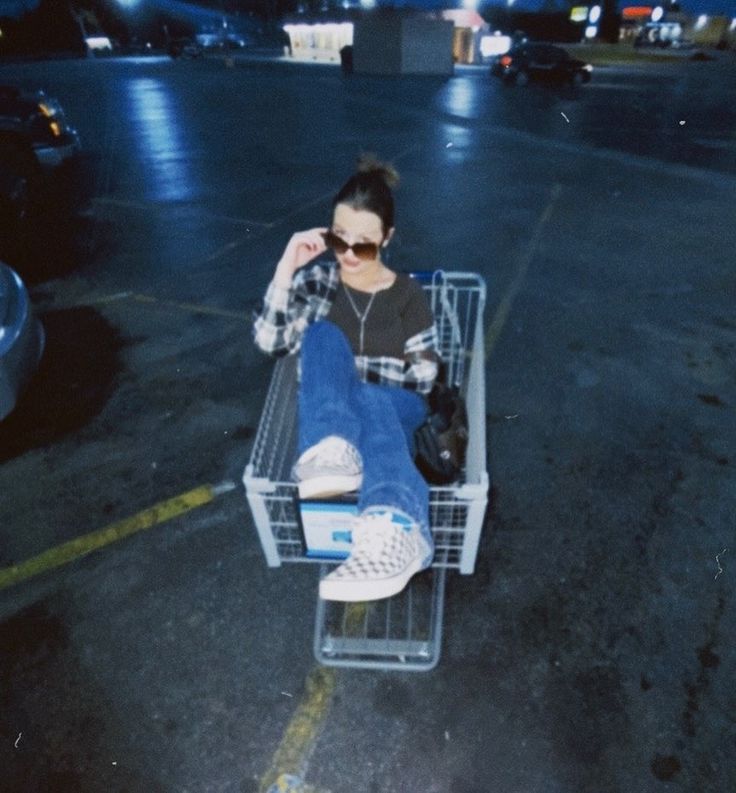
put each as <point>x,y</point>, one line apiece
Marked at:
<point>403,632</point>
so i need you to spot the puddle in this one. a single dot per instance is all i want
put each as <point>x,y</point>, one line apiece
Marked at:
<point>665,767</point>
<point>34,645</point>
<point>29,640</point>
<point>76,377</point>
<point>711,399</point>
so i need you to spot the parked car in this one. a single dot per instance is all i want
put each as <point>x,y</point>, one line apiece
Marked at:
<point>234,41</point>
<point>15,178</point>
<point>536,61</point>
<point>36,142</point>
<point>221,40</point>
<point>35,124</point>
<point>184,48</point>
<point>21,339</point>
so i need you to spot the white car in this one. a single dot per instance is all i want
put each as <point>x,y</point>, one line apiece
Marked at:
<point>21,339</point>
<point>99,45</point>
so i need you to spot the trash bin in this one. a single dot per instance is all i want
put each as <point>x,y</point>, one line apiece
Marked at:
<point>346,59</point>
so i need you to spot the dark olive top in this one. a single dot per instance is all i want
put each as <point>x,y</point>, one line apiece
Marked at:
<point>394,316</point>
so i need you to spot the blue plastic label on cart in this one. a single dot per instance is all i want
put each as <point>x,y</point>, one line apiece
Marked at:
<point>327,527</point>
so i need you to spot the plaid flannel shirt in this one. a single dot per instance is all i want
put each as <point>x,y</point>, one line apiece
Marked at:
<point>286,313</point>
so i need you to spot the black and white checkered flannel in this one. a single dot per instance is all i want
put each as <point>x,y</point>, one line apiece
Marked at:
<point>285,314</point>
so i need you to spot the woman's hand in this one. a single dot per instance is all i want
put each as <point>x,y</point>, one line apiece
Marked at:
<point>301,248</point>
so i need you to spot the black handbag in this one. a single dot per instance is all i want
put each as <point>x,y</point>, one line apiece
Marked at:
<point>441,442</point>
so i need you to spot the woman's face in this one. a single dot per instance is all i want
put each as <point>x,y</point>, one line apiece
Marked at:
<point>358,225</point>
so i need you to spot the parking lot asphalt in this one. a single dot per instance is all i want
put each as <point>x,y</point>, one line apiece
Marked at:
<point>145,645</point>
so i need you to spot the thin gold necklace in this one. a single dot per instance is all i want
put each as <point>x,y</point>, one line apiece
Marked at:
<point>361,317</point>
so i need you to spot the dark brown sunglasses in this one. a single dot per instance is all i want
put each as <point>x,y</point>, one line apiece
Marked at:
<point>363,250</point>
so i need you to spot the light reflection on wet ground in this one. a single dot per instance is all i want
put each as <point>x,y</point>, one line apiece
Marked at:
<point>157,129</point>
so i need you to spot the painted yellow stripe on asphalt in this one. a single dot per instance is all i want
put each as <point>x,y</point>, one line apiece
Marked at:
<point>290,758</point>
<point>289,763</point>
<point>355,618</point>
<point>87,543</point>
<point>504,307</point>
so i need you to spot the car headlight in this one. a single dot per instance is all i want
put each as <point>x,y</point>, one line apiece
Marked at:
<point>588,67</point>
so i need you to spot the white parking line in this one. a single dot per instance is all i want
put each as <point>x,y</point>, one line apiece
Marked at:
<point>716,143</point>
<point>504,307</point>
<point>661,168</point>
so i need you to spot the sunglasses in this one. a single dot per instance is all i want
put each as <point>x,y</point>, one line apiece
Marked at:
<point>363,250</point>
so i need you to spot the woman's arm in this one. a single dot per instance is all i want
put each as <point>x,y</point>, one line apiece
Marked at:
<point>416,371</point>
<point>421,358</point>
<point>287,309</point>
<point>421,361</point>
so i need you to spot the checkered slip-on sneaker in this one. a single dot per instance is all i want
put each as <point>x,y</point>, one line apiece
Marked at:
<point>330,468</point>
<point>387,551</point>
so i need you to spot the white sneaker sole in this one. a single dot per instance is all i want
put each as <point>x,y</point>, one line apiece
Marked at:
<point>351,591</point>
<point>329,486</point>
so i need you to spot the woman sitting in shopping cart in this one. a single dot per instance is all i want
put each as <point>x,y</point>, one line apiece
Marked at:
<point>368,344</point>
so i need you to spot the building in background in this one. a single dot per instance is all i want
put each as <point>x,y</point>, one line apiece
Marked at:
<point>469,29</point>
<point>382,41</point>
<point>323,36</point>
<point>315,40</point>
<point>403,43</point>
<point>666,26</point>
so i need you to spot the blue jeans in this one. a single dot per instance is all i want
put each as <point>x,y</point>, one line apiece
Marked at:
<point>378,420</point>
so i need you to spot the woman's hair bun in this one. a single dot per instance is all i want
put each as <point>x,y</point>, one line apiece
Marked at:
<point>370,164</point>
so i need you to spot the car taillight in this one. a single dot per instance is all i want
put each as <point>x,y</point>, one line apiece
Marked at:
<point>51,111</point>
<point>506,60</point>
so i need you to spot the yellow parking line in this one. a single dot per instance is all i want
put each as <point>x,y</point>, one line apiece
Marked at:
<point>290,758</point>
<point>81,546</point>
<point>504,307</point>
<point>289,763</point>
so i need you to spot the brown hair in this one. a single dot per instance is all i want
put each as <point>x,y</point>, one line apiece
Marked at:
<point>370,189</point>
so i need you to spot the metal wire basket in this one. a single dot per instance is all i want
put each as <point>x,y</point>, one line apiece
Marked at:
<point>402,632</point>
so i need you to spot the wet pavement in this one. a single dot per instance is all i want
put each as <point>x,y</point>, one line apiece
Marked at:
<point>590,651</point>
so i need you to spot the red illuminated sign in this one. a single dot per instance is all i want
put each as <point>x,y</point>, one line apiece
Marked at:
<point>632,12</point>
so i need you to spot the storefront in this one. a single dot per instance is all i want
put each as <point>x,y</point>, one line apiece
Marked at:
<point>319,40</point>
<point>470,28</point>
<point>322,38</point>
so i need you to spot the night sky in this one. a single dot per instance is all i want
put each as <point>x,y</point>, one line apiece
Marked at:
<point>725,7</point>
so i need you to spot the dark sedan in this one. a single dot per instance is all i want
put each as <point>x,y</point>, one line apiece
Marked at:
<point>543,62</point>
